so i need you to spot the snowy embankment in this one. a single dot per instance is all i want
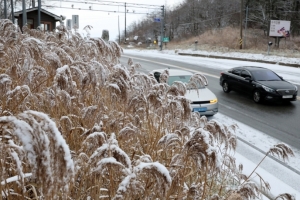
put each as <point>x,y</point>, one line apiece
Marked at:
<point>248,56</point>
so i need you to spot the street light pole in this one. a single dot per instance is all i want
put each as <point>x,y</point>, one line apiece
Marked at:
<point>12,11</point>
<point>5,10</point>
<point>125,22</point>
<point>24,13</point>
<point>39,13</point>
<point>119,29</point>
<point>162,26</point>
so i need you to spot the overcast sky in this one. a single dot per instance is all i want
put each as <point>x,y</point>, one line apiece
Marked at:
<point>103,19</point>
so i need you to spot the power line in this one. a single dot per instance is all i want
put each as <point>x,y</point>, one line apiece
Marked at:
<point>111,3</point>
<point>110,11</point>
<point>123,3</point>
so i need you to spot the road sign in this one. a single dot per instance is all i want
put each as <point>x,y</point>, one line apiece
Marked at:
<point>69,24</point>
<point>75,21</point>
<point>166,39</point>
<point>156,19</point>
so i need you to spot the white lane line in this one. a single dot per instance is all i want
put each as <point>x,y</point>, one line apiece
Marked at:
<point>211,75</point>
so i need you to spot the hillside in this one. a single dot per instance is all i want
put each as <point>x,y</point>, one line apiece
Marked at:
<point>226,40</point>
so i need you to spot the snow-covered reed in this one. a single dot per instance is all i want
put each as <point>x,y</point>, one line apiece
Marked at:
<point>77,124</point>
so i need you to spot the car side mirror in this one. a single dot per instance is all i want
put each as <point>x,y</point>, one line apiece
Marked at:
<point>157,75</point>
<point>248,79</point>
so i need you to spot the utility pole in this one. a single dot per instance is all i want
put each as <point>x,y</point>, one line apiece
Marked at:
<point>162,26</point>
<point>119,30</point>
<point>241,26</point>
<point>246,26</point>
<point>39,13</point>
<point>24,13</point>
<point>5,10</point>
<point>12,11</point>
<point>125,21</point>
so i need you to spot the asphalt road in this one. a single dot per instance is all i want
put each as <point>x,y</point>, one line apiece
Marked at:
<point>281,121</point>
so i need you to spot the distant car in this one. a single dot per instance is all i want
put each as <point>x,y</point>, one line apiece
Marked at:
<point>261,83</point>
<point>204,101</point>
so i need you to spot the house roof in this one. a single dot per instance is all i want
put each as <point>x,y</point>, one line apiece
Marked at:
<point>57,18</point>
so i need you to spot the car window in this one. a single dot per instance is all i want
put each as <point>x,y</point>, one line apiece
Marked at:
<point>183,78</point>
<point>265,75</point>
<point>245,74</point>
<point>236,71</point>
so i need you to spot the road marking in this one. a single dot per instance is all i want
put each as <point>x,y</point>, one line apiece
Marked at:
<point>211,75</point>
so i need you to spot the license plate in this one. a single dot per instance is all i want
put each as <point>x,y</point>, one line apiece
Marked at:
<point>287,96</point>
<point>202,109</point>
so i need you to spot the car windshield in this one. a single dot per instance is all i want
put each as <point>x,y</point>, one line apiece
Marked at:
<point>265,75</point>
<point>182,78</point>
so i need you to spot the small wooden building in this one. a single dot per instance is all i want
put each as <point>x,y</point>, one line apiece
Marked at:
<point>48,19</point>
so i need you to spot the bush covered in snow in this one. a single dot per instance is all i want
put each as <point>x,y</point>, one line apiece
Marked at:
<point>77,124</point>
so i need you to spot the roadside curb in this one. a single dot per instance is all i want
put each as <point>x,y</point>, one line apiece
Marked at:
<point>242,59</point>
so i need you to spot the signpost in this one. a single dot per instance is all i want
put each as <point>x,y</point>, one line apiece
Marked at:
<point>279,29</point>
<point>75,21</point>
<point>69,24</point>
<point>156,19</point>
<point>166,39</point>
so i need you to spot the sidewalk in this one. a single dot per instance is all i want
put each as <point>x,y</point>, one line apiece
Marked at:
<point>242,59</point>
<point>281,179</point>
<point>252,147</point>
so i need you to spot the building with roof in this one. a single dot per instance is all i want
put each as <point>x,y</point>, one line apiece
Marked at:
<point>48,19</point>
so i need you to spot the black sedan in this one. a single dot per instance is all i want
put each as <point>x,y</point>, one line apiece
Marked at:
<point>261,83</point>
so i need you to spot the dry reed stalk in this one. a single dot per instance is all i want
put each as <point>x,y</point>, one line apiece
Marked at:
<point>129,137</point>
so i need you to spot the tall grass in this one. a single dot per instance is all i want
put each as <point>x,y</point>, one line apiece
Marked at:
<point>77,124</point>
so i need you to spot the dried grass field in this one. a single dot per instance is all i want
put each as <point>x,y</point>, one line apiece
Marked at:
<point>77,124</point>
<point>225,40</point>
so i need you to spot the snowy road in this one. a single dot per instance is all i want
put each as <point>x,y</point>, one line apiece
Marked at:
<point>283,178</point>
<point>266,118</point>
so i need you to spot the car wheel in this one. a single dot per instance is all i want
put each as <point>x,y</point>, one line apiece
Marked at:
<point>256,96</point>
<point>226,87</point>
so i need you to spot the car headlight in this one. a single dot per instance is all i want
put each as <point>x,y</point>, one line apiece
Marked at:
<point>296,88</point>
<point>268,89</point>
<point>214,101</point>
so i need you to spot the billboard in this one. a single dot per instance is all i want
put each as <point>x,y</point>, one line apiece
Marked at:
<point>75,21</point>
<point>279,28</point>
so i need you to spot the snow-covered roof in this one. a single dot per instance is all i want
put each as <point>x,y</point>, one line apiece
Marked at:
<point>16,14</point>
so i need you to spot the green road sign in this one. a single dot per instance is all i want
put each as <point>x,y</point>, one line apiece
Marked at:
<point>166,39</point>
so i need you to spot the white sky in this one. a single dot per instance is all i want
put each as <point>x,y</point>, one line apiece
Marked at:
<point>281,179</point>
<point>101,20</point>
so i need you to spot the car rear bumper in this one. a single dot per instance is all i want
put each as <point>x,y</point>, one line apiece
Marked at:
<point>205,109</point>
